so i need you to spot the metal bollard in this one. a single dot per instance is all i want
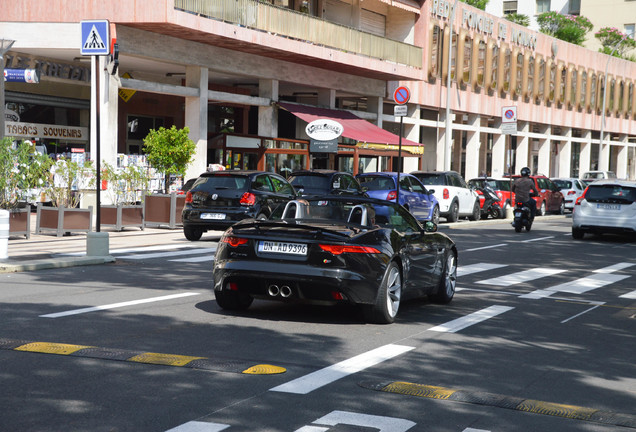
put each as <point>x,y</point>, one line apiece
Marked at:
<point>4,234</point>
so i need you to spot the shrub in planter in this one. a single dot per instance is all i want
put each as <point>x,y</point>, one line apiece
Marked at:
<point>126,187</point>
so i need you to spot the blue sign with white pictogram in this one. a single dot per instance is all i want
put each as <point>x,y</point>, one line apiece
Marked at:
<point>95,37</point>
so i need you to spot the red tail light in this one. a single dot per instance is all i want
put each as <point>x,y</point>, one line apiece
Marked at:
<point>248,199</point>
<point>234,241</point>
<point>479,192</point>
<point>581,198</point>
<point>391,196</point>
<point>340,249</point>
<point>188,198</point>
<point>571,193</point>
<point>446,194</point>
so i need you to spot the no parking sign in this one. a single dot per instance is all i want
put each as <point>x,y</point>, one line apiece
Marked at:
<point>509,120</point>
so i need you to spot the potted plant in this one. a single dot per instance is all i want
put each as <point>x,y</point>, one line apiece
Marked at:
<point>168,151</point>
<point>125,191</point>
<point>68,181</point>
<point>23,171</point>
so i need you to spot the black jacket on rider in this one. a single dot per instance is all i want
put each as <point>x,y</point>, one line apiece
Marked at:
<point>522,188</point>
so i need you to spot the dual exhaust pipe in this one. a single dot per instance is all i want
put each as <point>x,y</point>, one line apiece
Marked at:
<point>283,291</point>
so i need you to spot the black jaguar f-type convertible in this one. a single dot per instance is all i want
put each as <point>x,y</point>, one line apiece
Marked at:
<point>361,251</point>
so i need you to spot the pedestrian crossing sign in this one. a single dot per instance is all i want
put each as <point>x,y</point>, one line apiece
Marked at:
<point>95,37</point>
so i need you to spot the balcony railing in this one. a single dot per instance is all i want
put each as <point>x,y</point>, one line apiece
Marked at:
<point>297,25</point>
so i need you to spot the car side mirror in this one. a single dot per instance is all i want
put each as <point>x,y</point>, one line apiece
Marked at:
<point>430,227</point>
<point>431,191</point>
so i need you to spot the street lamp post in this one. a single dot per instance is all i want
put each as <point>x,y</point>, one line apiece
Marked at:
<point>5,45</point>
<point>449,123</point>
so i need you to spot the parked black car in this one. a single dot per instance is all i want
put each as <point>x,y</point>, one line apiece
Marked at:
<point>335,250</point>
<point>219,199</point>
<point>325,182</point>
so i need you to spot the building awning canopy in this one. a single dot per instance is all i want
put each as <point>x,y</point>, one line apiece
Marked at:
<point>354,127</point>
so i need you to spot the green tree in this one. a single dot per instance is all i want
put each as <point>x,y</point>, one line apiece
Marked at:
<point>615,42</point>
<point>479,4</point>
<point>169,151</point>
<point>569,28</point>
<point>517,18</point>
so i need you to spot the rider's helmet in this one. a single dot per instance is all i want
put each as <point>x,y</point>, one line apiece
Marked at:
<point>525,172</point>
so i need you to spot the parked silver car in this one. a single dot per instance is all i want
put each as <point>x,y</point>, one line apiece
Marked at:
<point>571,188</point>
<point>607,206</point>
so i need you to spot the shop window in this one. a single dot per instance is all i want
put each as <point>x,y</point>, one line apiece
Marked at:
<point>138,128</point>
<point>284,164</point>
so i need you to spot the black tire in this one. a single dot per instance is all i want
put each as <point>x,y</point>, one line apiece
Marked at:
<point>388,299</point>
<point>476,212</point>
<point>231,300</point>
<point>435,218</point>
<point>577,234</point>
<point>562,208</point>
<point>192,234</point>
<point>542,209</point>
<point>528,227</point>
<point>453,212</point>
<point>518,228</point>
<point>496,212</point>
<point>448,281</point>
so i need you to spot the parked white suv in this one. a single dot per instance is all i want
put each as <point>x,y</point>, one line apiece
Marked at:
<point>456,198</point>
<point>607,206</point>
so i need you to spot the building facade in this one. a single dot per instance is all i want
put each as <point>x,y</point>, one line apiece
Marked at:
<point>244,76</point>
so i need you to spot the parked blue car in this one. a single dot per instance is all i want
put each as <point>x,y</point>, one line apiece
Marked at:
<point>413,195</point>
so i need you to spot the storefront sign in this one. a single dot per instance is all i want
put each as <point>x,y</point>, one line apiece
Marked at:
<point>31,76</point>
<point>11,116</point>
<point>324,130</point>
<point>46,131</point>
<point>48,68</point>
<point>330,146</point>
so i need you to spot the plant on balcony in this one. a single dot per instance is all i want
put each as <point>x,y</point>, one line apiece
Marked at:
<point>614,42</point>
<point>169,151</point>
<point>22,170</point>
<point>518,18</point>
<point>569,28</point>
<point>479,4</point>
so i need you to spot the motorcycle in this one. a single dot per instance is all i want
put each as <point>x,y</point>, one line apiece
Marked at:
<point>522,217</point>
<point>490,206</point>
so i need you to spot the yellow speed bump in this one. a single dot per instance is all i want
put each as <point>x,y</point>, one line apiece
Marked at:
<point>51,348</point>
<point>163,359</point>
<point>264,369</point>
<point>555,409</point>
<point>419,390</point>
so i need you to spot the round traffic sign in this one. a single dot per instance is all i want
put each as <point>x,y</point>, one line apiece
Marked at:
<point>401,95</point>
<point>510,114</point>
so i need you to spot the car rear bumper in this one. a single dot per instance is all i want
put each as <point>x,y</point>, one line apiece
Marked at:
<point>191,218</point>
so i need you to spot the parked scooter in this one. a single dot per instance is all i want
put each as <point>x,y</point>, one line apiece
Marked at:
<point>522,217</point>
<point>490,206</point>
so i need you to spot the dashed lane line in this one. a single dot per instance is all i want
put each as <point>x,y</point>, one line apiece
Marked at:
<point>177,360</point>
<point>502,401</point>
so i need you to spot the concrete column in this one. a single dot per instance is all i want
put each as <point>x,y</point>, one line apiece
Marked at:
<point>521,156</point>
<point>327,98</point>
<point>441,142</point>
<point>268,115</point>
<point>472,147</point>
<point>375,104</point>
<point>564,158</point>
<point>585,158</point>
<point>412,131</point>
<point>499,152</point>
<point>196,118</point>
<point>109,118</point>
<point>622,158</point>
<point>604,159</point>
<point>545,146</point>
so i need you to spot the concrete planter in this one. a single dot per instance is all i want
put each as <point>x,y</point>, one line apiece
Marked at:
<point>20,222</point>
<point>122,216</point>
<point>61,220</point>
<point>163,210</point>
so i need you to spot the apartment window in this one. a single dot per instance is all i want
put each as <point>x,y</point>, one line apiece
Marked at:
<point>630,30</point>
<point>509,7</point>
<point>543,6</point>
<point>574,7</point>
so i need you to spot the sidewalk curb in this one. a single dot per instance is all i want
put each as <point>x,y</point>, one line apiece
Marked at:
<point>49,263</point>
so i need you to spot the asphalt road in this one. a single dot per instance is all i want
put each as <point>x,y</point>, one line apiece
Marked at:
<point>539,337</point>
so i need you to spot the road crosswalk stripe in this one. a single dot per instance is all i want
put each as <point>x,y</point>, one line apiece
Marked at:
<point>472,319</point>
<point>169,254</point>
<point>629,295</point>
<point>521,277</point>
<point>476,268</point>
<point>197,259</point>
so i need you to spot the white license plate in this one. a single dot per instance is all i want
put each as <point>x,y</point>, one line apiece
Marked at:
<point>214,216</point>
<point>518,214</point>
<point>282,247</point>
<point>608,206</point>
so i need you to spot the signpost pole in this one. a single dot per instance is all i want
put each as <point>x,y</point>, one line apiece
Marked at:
<point>5,45</point>
<point>401,96</point>
<point>397,196</point>
<point>98,186</point>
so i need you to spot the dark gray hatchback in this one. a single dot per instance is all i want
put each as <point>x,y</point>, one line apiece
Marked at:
<point>219,199</point>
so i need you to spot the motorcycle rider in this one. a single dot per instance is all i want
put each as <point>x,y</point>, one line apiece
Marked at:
<point>522,188</point>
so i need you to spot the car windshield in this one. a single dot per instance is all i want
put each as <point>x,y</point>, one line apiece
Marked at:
<point>224,181</point>
<point>372,182</point>
<point>563,184</point>
<point>502,185</point>
<point>431,179</point>
<point>611,193</point>
<point>310,182</point>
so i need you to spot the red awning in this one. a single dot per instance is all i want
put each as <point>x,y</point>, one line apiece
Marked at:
<point>354,127</point>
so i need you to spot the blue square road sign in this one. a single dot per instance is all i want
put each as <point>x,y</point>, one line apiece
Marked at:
<point>95,37</point>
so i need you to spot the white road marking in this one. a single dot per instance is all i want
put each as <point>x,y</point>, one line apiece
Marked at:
<point>196,426</point>
<point>380,423</point>
<point>476,268</point>
<point>537,239</point>
<point>584,312</point>
<point>524,276</point>
<point>615,267</point>
<point>322,377</point>
<point>194,259</point>
<point>486,247</point>
<point>630,295</point>
<point>475,430</point>
<point>169,254</point>
<point>472,319</point>
<point>117,305</point>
